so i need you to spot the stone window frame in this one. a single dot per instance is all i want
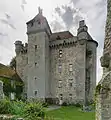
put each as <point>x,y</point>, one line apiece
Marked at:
<point>70,67</point>
<point>60,53</point>
<point>61,96</point>
<point>60,68</point>
<point>60,84</point>
<point>35,64</point>
<point>35,93</point>
<point>70,96</point>
<point>70,83</point>
<point>36,47</point>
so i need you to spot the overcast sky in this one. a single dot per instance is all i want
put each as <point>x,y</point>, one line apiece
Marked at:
<point>61,15</point>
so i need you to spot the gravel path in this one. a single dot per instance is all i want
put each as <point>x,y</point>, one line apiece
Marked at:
<point>53,107</point>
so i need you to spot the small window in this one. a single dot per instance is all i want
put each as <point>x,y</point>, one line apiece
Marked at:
<point>70,96</point>
<point>35,47</point>
<point>60,53</point>
<point>38,21</point>
<point>70,67</point>
<point>31,24</point>
<point>58,38</point>
<point>60,68</point>
<point>60,84</point>
<point>70,82</point>
<point>35,64</point>
<point>61,96</point>
<point>35,92</point>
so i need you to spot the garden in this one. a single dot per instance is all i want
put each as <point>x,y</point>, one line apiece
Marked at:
<point>35,110</point>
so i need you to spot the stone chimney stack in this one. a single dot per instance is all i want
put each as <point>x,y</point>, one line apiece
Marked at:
<point>82,31</point>
<point>18,47</point>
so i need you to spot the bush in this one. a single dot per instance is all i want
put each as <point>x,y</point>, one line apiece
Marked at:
<point>17,108</point>
<point>34,111</point>
<point>5,106</point>
<point>45,104</point>
<point>64,104</point>
<point>77,105</point>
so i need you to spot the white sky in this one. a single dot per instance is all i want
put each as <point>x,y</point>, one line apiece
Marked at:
<point>93,11</point>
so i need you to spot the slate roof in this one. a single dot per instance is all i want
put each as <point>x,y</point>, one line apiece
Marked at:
<point>7,72</point>
<point>61,35</point>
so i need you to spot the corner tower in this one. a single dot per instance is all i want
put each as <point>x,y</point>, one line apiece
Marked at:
<point>38,32</point>
<point>90,61</point>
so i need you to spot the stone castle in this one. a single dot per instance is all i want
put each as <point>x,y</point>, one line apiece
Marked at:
<point>57,66</point>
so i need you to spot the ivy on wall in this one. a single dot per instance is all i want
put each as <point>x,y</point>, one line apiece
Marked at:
<point>8,87</point>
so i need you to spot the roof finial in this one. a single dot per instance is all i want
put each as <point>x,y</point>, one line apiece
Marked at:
<point>40,10</point>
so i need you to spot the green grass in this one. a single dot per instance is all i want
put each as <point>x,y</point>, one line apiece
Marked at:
<point>71,113</point>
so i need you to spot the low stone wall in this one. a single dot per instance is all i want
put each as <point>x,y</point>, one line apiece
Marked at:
<point>8,117</point>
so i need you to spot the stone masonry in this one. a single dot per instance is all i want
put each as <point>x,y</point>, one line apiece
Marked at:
<point>103,90</point>
<point>57,66</point>
<point>1,90</point>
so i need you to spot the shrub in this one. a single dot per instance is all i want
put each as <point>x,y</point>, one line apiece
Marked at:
<point>45,104</point>
<point>5,106</point>
<point>17,108</point>
<point>77,105</point>
<point>64,104</point>
<point>34,111</point>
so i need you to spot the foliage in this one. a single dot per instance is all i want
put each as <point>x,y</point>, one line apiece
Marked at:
<point>77,105</point>
<point>64,104</point>
<point>45,104</point>
<point>8,88</point>
<point>17,108</point>
<point>34,111</point>
<point>98,88</point>
<point>5,106</point>
<point>29,111</point>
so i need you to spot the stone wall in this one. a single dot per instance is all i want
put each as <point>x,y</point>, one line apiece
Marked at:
<point>71,54</point>
<point>103,106</point>
<point>1,90</point>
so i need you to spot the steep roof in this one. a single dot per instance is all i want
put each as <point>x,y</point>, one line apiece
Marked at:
<point>61,35</point>
<point>7,72</point>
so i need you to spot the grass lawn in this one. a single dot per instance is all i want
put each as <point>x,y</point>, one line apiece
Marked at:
<point>71,113</point>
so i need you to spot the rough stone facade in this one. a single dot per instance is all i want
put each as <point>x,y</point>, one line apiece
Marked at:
<point>103,90</point>
<point>57,66</point>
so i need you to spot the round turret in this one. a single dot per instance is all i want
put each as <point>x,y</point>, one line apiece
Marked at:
<point>18,47</point>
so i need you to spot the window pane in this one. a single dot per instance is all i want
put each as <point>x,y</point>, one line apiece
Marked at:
<point>60,84</point>
<point>70,67</point>
<point>60,68</point>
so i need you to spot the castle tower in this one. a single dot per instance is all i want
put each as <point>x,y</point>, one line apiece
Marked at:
<point>90,62</point>
<point>38,32</point>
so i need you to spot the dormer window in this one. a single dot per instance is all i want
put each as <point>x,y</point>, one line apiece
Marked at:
<point>38,21</point>
<point>58,37</point>
<point>31,24</point>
